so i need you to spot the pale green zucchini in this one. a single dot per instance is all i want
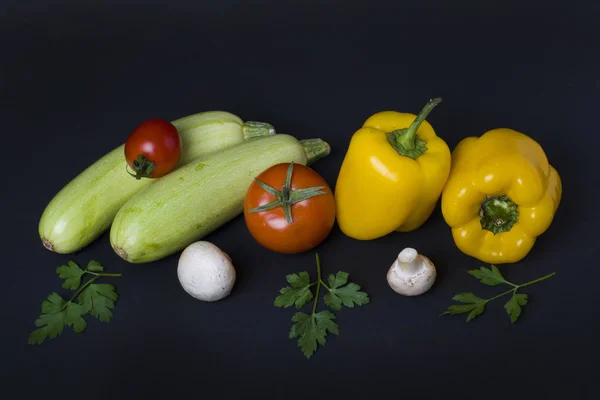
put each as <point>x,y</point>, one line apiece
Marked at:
<point>84,208</point>
<point>193,201</point>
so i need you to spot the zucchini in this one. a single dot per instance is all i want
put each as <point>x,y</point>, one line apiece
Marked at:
<point>85,208</point>
<point>193,201</point>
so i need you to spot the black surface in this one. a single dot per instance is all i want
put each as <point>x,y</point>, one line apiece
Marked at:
<point>77,76</point>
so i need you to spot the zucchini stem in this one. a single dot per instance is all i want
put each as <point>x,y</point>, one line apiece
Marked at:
<point>252,129</point>
<point>315,149</point>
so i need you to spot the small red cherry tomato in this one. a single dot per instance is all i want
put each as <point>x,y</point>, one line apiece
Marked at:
<point>153,149</point>
<point>289,208</point>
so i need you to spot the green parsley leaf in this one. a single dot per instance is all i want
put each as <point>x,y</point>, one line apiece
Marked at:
<point>490,277</point>
<point>474,309</point>
<point>340,279</point>
<point>325,321</point>
<point>95,266</point>
<point>298,294</point>
<point>54,304</point>
<point>349,296</point>
<point>513,306</point>
<point>304,328</point>
<point>298,280</point>
<point>50,325</point>
<point>74,317</point>
<point>312,330</point>
<point>99,300</point>
<point>468,298</point>
<point>72,275</point>
<point>473,305</point>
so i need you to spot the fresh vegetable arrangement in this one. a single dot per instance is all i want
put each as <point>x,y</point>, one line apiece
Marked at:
<point>156,223</point>
<point>174,183</point>
<point>85,208</point>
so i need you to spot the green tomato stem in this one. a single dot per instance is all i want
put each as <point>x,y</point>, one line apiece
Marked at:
<point>286,197</point>
<point>142,166</point>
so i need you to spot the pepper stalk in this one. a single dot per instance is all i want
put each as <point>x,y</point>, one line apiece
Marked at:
<point>405,141</point>
<point>498,214</point>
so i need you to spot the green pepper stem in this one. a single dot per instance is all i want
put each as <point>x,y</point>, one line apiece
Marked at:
<point>408,138</point>
<point>498,214</point>
<point>405,140</point>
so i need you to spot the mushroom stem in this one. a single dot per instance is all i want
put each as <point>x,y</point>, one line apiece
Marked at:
<point>407,260</point>
<point>411,274</point>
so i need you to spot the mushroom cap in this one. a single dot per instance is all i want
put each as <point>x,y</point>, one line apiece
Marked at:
<point>205,272</point>
<point>411,282</point>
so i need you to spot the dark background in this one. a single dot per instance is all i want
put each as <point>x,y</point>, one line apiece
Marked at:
<point>77,76</point>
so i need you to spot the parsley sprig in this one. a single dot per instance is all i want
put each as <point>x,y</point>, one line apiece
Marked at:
<point>312,329</point>
<point>91,298</point>
<point>492,277</point>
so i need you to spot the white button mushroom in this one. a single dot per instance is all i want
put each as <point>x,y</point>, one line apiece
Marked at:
<point>205,272</point>
<point>411,274</point>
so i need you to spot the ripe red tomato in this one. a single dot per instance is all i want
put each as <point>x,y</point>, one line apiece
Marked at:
<point>311,212</point>
<point>153,149</point>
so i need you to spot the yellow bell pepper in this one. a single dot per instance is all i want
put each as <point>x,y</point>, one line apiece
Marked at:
<point>501,194</point>
<point>392,175</point>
